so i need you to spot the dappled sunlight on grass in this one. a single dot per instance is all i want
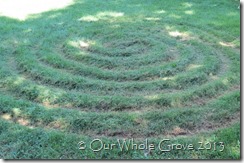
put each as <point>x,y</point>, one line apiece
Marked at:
<point>177,34</point>
<point>58,124</point>
<point>213,77</point>
<point>47,95</point>
<point>19,80</point>
<point>20,121</point>
<point>107,15</point>
<point>74,44</point>
<point>187,4</point>
<point>21,10</point>
<point>40,93</point>
<point>23,122</point>
<point>227,44</point>
<point>182,35</point>
<point>151,18</point>
<point>168,78</point>
<point>89,18</point>
<point>80,44</point>
<point>110,14</point>
<point>193,66</point>
<point>160,12</point>
<point>189,12</point>
<point>48,105</point>
<point>83,45</point>
<point>225,81</point>
<point>152,97</point>
<point>16,117</point>
<point>6,116</point>
<point>16,111</point>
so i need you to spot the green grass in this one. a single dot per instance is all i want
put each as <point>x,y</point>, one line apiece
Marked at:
<point>121,69</point>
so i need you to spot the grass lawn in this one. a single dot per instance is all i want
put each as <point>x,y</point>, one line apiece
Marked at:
<point>133,73</point>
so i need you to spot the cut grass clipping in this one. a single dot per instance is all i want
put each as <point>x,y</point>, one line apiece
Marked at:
<point>165,73</point>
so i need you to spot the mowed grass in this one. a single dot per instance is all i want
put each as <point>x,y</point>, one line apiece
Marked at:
<point>120,70</point>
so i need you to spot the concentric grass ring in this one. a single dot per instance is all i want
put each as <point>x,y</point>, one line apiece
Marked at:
<point>104,79</point>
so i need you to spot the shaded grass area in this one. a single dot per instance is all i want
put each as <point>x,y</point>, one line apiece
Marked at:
<point>42,144</point>
<point>143,124</point>
<point>121,69</point>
